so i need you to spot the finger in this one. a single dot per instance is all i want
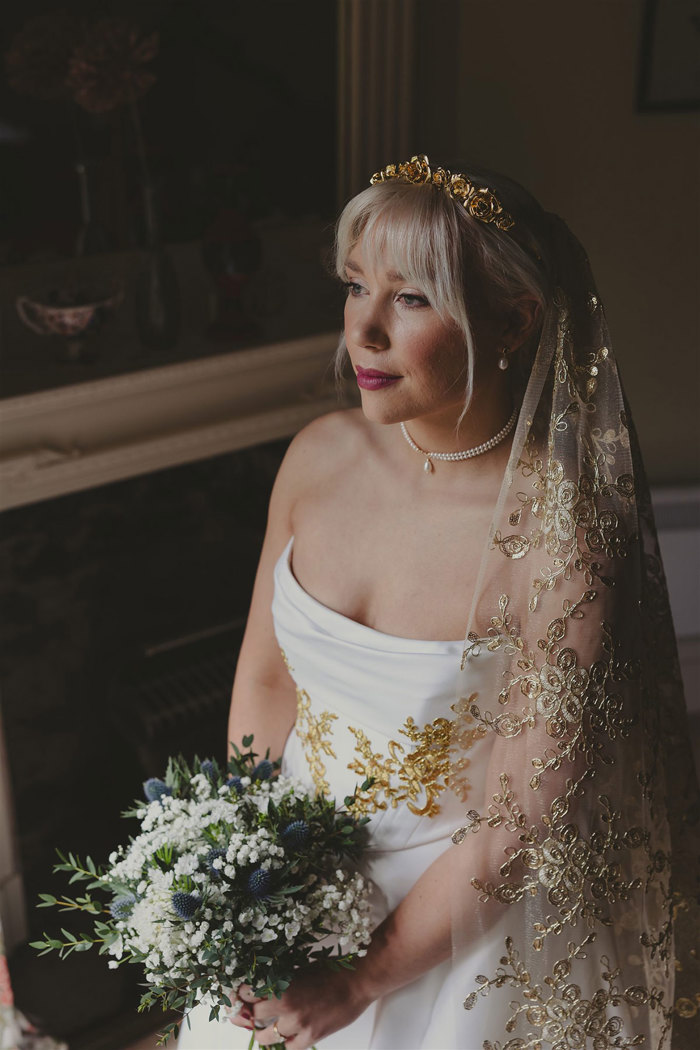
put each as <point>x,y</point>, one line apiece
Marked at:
<point>301,1041</point>
<point>243,1018</point>
<point>248,1025</point>
<point>259,1023</point>
<point>271,1035</point>
<point>246,993</point>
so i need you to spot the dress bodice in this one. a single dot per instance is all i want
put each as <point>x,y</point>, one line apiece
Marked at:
<point>375,705</point>
<point>370,705</point>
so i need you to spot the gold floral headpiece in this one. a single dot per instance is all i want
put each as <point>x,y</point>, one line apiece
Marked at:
<point>481,202</point>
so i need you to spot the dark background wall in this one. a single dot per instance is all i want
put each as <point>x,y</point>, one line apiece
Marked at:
<point>122,612</point>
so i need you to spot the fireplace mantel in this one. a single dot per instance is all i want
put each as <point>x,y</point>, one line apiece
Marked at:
<point>76,437</point>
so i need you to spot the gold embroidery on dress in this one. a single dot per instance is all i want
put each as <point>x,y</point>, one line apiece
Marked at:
<point>286,661</point>
<point>314,733</point>
<point>417,777</point>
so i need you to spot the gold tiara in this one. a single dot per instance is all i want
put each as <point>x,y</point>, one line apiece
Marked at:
<point>481,202</point>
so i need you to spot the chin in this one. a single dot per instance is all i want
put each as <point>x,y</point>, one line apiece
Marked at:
<point>380,412</point>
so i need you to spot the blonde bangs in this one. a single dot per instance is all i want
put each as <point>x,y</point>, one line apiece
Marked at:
<point>406,229</point>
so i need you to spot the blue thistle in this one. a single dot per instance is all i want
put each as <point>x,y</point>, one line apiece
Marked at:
<point>235,783</point>
<point>208,768</point>
<point>296,834</point>
<point>263,770</point>
<point>259,882</point>
<point>213,855</point>
<point>121,907</point>
<point>185,904</point>
<point>155,789</point>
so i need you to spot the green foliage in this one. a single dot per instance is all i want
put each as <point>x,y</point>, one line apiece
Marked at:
<point>71,943</point>
<point>242,763</point>
<point>335,837</point>
<point>85,903</point>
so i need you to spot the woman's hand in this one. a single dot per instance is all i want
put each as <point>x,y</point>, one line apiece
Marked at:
<point>318,1002</point>
<point>412,939</point>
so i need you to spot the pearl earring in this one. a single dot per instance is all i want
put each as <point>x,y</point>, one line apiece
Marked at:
<point>503,361</point>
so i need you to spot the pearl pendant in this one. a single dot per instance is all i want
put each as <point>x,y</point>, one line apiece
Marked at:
<point>503,362</point>
<point>428,467</point>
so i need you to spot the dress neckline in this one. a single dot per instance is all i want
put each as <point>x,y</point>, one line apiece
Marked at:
<point>348,628</point>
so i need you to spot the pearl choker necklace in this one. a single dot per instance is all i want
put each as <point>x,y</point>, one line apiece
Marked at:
<point>467,453</point>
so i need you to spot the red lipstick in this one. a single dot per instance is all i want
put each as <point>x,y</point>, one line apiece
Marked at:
<point>372,379</point>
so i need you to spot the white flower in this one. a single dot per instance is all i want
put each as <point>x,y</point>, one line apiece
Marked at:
<point>201,785</point>
<point>185,829</point>
<point>116,948</point>
<point>186,865</point>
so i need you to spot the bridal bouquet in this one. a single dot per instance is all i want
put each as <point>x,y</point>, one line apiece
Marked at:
<point>235,877</point>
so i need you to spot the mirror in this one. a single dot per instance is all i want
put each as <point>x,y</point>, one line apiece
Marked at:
<point>169,176</point>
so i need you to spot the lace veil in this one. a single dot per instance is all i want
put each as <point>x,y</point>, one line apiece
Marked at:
<point>575,898</point>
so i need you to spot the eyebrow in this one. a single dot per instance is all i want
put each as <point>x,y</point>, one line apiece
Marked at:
<point>393,275</point>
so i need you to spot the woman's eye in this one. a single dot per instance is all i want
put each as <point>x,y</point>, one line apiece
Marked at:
<point>412,300</point>
<point>353,288</point>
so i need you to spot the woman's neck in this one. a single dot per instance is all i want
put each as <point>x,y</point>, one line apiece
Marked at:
<point>487,414</point>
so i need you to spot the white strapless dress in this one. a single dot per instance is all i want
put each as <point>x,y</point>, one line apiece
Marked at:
<point>357,688</point>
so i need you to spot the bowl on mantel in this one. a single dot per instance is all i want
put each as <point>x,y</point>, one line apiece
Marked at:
<point>70,316</point>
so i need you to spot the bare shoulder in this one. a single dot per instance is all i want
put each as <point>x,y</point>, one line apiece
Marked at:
<point>324,450</point>
<point>328,444</point>
<point>336,427</point>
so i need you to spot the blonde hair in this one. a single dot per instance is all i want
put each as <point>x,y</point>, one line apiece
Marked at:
<point>463,266</point>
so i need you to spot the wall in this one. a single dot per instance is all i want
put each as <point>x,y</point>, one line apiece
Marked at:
<point>546,92</point>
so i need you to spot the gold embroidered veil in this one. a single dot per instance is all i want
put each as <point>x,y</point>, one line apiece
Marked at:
<point>575,904</point>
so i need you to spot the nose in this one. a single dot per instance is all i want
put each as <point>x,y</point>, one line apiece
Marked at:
<point>365,327</point>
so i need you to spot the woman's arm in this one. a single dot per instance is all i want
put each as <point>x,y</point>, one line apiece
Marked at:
<point>413,938</point>
<point>263,700</point>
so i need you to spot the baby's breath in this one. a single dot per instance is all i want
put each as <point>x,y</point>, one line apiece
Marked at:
<point>235,877</point>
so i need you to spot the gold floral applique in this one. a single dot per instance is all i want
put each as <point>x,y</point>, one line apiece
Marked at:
<point>559,1013</point>
<point>417,777</point>
<point>570,516</point>
<point>314,733</point>
<point>581,711</point>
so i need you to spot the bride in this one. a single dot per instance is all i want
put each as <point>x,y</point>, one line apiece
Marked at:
<point>459,596</point>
